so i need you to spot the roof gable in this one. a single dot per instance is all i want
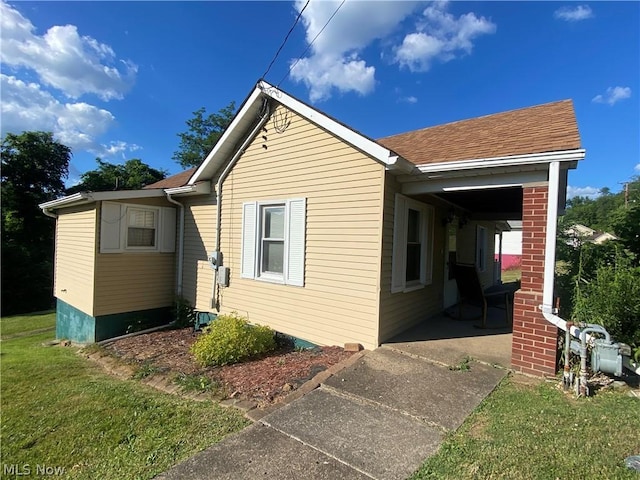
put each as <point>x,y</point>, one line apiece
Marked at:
<point>249,113</point>
<point>543,128</point>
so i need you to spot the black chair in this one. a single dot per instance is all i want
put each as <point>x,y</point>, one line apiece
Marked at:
<point>471,292</point>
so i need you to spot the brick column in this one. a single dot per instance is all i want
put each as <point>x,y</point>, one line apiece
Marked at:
<point>533,349</point>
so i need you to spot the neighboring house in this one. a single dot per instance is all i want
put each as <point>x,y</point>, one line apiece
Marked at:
<point>509,247</point>
<point>319,231</point>
<point>581,234</point>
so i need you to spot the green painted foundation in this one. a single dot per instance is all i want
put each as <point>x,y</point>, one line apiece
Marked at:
<point>77,326</point>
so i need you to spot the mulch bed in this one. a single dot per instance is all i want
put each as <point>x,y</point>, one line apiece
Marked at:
<point>264,380</point>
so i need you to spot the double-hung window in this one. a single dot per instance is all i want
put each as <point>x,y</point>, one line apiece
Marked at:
<point>412,245</point>
<point>136,228</point>
<point>273,241</point>
<point>142,227</point>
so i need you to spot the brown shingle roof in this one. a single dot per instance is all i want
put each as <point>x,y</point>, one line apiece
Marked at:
<point>539,129</point>
<point>177,180</point>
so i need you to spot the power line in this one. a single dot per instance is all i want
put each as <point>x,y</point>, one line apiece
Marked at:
<point>285,39</point>
<point>310,44</point>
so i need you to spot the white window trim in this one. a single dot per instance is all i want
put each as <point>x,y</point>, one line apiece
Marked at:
<point>251,262</point>
<point>114,230</point>
<point>399,262</point>
<point>481,246</point>
<point>156,227</point>
<point>271,276</point>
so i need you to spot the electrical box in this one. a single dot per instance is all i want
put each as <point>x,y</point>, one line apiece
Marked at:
<point>223,276</point>
<point>215,259</point>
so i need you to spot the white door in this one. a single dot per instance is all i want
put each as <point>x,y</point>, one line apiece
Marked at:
<point>450,295</point>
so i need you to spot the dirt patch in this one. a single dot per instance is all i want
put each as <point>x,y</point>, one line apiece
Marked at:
<point>265,380</point>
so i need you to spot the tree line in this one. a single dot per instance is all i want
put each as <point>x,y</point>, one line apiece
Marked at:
<point>34,169</point>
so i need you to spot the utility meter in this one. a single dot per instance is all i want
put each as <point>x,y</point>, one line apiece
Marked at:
<point>215,259</point>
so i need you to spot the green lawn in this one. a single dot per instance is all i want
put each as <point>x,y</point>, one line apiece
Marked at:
<point>61,410</point>
<point>538,432</point>
<point>22,324</point>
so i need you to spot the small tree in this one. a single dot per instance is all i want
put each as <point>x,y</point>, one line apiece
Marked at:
<point>202,135</point>
<point>132,175</point>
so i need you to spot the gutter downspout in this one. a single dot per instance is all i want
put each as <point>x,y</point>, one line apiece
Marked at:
<point>264,115</point>
<point>180,244</point>
<point>548,311</point>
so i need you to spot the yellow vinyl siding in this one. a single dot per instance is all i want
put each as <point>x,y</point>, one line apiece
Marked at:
<point>343,191</point>
<point>399,311</point>
<point>74,257</point>
<point>127,282</point>
<point>199,240</point>
<point>132,281</point>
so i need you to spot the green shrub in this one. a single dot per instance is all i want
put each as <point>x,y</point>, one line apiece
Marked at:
<point>231,339</point>
<point>183,313</point>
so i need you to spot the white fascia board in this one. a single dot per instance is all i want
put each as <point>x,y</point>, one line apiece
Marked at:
<point>199,188</point>
<point>510,161</point>
<point>81,197</point>
<point>238,122</point>
<point>88,197</point>
<point>482,181</point>
<point>391,160</point>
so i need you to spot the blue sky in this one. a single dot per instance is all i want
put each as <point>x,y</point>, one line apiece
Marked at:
<point>119,79</point>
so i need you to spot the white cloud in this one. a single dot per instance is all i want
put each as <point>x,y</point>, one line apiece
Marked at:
<point>440,36</point>
<point>589,192</point>
<point>335,61</point>
<point>26,106</point>
<point>574,14</point>
<point>409,99</point>
<point>637,168</point>
<point>613,95</point>
<point>63,59</point>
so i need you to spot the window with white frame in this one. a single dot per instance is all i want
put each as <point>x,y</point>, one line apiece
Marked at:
<point>481,248</point>
<point>273,241</point>
<point>136,228</point>
<point>412,245</point>
<point>142,225</point>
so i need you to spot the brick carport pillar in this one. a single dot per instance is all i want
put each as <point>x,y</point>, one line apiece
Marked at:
<point>533,349</point>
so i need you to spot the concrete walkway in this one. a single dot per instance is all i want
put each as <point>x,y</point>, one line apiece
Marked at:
<point>379,418</point>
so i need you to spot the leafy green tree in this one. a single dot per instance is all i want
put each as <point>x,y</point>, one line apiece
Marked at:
<point>132,175</point>
<point>34,166</point>
<point>202,135</point>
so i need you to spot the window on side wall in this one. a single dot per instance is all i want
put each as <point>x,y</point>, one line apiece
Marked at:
<point>142,226</point>
<point>137,228</point>
<point>481,248</point>
<point>412,245</point>
<point>273,241</point>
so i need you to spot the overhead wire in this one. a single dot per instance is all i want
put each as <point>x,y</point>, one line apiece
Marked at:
<point>311,43</point>
<point>285,40</point>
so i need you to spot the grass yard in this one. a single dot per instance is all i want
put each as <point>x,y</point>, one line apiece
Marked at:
<point>24,324</point>
<point>60,410</point>
<point>511,275</point>
<point>537,432</point>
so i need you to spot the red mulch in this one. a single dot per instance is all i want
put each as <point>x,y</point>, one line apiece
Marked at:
<point>264,380</point>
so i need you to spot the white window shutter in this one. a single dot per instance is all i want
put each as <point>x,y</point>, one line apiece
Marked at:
<point>398,272</point>
<point>249,225</point>
<point>111,227</point>
<point>167,229</point>
<point>297,225</point>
